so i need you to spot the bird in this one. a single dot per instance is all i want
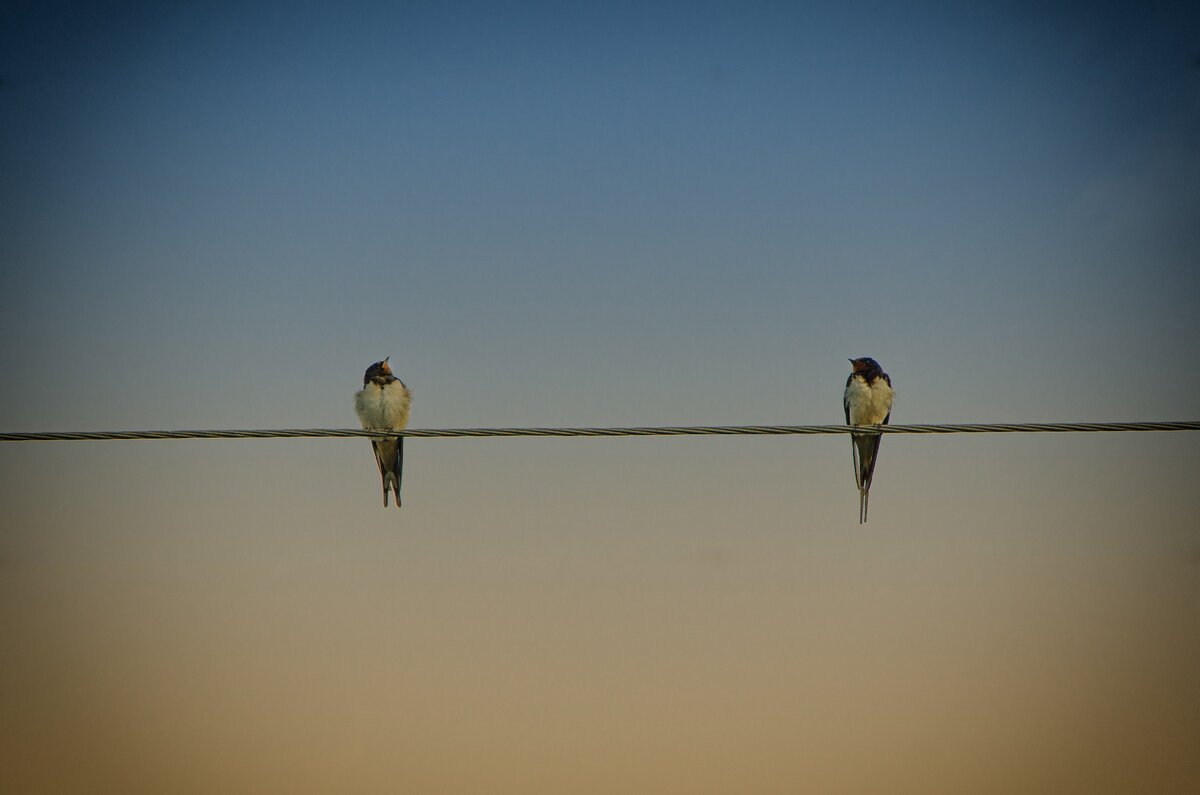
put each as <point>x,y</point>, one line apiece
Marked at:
<point>383,404</point>
<point>868,401</point>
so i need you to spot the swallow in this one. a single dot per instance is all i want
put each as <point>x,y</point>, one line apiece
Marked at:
<point>383,404</point>
<point>868,401</point>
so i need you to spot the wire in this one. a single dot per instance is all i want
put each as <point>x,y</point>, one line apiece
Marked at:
<point>690,430</point>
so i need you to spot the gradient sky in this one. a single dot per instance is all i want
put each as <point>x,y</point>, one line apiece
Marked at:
<point>216,215</point>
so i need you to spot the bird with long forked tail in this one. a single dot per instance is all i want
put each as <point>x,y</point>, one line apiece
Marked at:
<point>868,401</point>
<point>383,404</point>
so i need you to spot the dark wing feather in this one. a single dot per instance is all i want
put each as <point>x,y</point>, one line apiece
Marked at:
<point>846,398</point>
<point>866,448</point>
<point>887,378</point>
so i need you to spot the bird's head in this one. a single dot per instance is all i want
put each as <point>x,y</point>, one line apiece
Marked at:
<point>865,366</point>
<point>380,373</point>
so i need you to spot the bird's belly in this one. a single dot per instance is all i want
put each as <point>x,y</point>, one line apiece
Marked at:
<point>869,405</point>
<point>383,408</point>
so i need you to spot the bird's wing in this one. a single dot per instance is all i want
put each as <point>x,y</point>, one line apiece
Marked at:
<point>866,451</point>
<point>887,378</point>
<point>385,454</point>
<point>846,398</point>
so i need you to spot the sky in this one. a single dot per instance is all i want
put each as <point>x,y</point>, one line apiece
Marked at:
<point>217,215</point>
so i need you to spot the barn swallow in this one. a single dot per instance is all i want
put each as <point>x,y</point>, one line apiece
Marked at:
<point>868,401</point>
<point>383,404</point>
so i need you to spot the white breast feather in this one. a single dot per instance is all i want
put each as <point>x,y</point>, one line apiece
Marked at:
<point>869,405</point>
<point>385,407</point>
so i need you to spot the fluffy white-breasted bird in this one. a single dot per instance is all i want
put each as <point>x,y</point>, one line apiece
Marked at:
<point>383,404</point>
<point>868,401</point>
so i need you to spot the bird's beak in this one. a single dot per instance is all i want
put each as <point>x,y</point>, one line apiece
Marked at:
<point>385,367</point>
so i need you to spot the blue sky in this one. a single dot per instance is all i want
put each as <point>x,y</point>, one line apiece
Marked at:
<point>503,188</point>
<point>217,215</point>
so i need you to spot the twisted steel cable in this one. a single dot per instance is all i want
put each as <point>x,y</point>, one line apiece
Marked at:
<point>685,430</point>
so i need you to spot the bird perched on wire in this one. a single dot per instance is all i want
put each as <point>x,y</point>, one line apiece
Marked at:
<point>868,401</point>
<point>383,404</point>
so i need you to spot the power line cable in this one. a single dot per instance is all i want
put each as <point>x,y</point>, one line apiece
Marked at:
<point>685,430</point>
